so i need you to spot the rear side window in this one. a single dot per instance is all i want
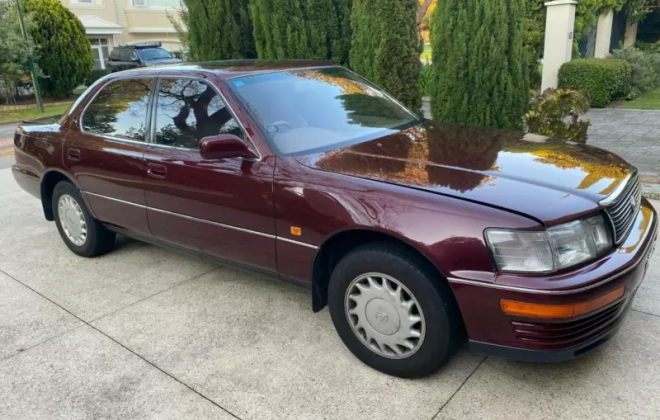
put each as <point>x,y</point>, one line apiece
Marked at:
<point>189,110</point>
<point>120,110</point>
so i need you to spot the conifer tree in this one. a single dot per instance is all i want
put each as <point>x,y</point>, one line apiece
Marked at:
<point>480,72</point>
<point>386,46</point>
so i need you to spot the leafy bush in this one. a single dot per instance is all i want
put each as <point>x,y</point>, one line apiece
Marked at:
<point>94,76</point>
<point>65,53</point>
<point>385,47</point>
<point>645,68</point>
<point>556,113</point>
<point>425,79</point>
<point>602,79</point>
<point>480,67</point>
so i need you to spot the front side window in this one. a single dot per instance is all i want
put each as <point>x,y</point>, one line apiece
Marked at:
<point>320,109</point>
<point>119,110</point>
<point>189,110</point>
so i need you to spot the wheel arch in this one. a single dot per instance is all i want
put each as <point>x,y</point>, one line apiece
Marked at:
<point>48,182</point>
<point>339,244</point>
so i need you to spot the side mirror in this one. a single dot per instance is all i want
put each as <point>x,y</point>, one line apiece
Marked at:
<point>224,146</point>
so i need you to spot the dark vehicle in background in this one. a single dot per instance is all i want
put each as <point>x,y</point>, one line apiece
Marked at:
<point>418,235</point>
<point>127,57</point>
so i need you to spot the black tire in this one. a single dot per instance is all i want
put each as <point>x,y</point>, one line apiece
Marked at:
<point>99,240</point>
<point>444,325</point>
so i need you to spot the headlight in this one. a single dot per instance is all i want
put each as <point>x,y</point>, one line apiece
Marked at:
<point>554,249</point>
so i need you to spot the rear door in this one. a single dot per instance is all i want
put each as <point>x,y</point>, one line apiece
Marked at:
<point>104,150</point>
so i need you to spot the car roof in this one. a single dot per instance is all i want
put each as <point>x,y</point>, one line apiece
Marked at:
<point>234,68</point>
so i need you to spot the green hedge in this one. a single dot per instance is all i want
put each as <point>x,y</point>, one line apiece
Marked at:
<point>604,80</point>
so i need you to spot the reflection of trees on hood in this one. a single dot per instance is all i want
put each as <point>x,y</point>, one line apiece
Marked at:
<point>365,158</point>
<point>596,163</point>
<point>130,96</point>
<point>469,148</point>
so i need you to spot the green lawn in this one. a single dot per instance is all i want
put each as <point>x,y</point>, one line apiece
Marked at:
<point>31,113</point>
<point>426,54</point>
<point>648,101</point>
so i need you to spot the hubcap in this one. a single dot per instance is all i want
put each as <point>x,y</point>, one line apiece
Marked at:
<point>72,220</point>
<point>385,316</point>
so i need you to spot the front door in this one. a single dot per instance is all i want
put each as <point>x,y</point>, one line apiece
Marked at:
<point>222,207</point>
<point>104,150</point>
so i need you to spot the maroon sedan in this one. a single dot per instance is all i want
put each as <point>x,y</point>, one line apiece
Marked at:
<point>418,235</point>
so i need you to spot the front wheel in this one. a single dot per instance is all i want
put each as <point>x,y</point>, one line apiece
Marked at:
<point>83,234</point>
<point>392,311</point>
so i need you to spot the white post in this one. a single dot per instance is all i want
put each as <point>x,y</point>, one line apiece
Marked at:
<point>559,31</point>
<point>631,35</point>
<point>604,34</point>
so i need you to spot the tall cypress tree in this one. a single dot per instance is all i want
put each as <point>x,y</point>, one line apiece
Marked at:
<point>218,29</point>
<point>385,47</point>
<point>308,29</point>
<point>479,63</point>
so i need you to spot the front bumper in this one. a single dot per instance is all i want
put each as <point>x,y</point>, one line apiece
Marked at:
<point>550,340</point>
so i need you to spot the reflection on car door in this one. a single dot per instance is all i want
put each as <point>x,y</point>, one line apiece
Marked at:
<point>221,207</point>
<point>104,151</point>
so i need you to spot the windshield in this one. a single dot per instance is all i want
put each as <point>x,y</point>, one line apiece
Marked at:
<point>320,109</point>
<point>153,53</point>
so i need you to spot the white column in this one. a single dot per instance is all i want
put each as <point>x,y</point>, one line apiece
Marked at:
<point>559,27</point>
<point>631,35</point>
<point>604,34</point>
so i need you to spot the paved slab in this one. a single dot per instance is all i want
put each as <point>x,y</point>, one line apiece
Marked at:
<point>253,346</point>
<point>85,375</point>
<point>28,319</point>
<point>91,288</point>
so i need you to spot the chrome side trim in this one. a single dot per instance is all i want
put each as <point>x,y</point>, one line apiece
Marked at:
<point>115,199</point>
<point>542,292</point>
<point>208,222</point>
<point>610,199</point>
<point>291,241</point>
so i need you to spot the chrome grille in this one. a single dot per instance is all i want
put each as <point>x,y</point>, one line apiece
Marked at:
<point>623,210</point>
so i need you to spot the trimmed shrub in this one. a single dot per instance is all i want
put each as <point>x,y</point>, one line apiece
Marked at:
<point>604,80</point>
<point>645,66</point>
<point>480,67</point>
<point>63,50</point>
<point>556,113</point>
<point>386,46</point>
<point>217,29</point>
<point>306,29</point>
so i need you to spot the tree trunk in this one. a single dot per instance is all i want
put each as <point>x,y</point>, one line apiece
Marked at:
<point>421,10</point>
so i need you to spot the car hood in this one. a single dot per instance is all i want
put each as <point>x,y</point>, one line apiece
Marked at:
<point>548,179</point>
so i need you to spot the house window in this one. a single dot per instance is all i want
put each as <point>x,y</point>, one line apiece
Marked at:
<point>101,52</point>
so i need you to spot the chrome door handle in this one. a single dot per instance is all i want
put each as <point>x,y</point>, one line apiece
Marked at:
<point>156,171</point>
<point>73,154</point>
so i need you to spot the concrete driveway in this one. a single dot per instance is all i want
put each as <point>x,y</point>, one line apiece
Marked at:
<point>149,333</point>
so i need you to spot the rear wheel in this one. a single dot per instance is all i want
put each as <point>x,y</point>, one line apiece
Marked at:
<point>393,312</point>
<point>83,234</point>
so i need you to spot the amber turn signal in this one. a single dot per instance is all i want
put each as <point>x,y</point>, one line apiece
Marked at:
<point>296,231</point>
<point>533,310</point>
